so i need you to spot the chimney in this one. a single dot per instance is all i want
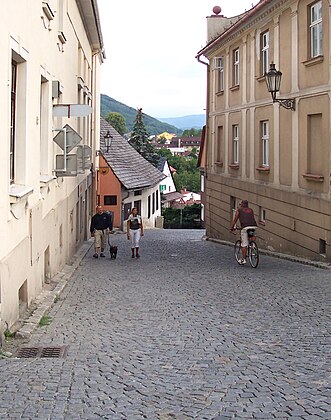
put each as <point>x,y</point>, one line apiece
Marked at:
<point>217,23</point>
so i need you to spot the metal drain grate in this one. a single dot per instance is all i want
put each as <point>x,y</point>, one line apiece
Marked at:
<point>36,352</point>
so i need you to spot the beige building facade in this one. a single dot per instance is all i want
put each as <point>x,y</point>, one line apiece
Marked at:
<point>51,52</point>
<point>276,158</point>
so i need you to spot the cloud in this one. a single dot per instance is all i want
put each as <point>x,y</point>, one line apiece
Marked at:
<point>151,48</point>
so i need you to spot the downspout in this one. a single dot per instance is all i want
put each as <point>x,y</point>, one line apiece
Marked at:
<point>198,57</point>
<point>94,148</point>
<point>123,198</point>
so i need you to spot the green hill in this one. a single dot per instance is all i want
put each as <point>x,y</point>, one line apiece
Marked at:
<point>152,125</point>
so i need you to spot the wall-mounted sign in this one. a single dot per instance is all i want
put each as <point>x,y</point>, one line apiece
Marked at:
<point>66,165</point>
<point>67,138</point>
<point>71,110</point>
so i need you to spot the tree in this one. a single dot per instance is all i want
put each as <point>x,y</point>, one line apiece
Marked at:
<point>192,132</point>
<point>188,180</point>
<point>164,153</point>
<point>193,153</point>
<point>117,121</point>
<point>162,140</point>
<point>140,139</point>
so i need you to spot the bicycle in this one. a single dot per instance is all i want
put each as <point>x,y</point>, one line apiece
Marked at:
<point>252,249</point>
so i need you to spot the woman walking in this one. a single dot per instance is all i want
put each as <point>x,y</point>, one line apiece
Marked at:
<point>135,229</point>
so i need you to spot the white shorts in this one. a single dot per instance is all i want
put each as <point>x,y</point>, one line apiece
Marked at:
<point>244,235</point>
<point>135,237</point>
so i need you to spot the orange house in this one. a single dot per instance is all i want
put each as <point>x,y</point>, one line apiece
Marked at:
<point>125,179</point>
<point>109,191</point>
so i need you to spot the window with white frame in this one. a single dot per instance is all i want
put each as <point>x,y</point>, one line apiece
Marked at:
<point>219,66</point>
<point>236,67</point>
<point>316,29</point>
<point>262,215</point>
<point>12,120</point>
<point>265,52</point>
<point>265,143</point>
<point>236,144</point>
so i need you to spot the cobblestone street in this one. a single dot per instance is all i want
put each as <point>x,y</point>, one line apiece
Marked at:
<point>181,333</point>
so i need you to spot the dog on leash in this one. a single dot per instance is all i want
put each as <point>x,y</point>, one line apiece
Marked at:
<point>113,252</point>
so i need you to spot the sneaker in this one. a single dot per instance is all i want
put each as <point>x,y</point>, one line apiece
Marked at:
<point>102,255</point>
<point>132,256</point>
<point>242,261</point>
<point>95,255</point>
<point>137,256</point>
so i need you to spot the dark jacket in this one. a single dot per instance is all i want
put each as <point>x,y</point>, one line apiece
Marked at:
<point>101,222</point>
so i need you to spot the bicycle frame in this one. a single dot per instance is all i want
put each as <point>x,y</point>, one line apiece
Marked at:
<point>252,250</point>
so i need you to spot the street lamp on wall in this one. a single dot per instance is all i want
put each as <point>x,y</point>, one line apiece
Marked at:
<point>273,79</point>
<point>108,139</point>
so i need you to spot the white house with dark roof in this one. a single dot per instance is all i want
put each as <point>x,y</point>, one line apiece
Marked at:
<point>168,184</point>
<point>127,180</point>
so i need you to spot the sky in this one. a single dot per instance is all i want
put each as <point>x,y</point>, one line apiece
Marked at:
<point>150,50</point>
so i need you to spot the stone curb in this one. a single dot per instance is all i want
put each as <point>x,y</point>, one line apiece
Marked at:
<point>46,298</point>
<point>292,258</point>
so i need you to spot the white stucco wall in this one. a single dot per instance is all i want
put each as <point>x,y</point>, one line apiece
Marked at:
<point>148,222</point>
<point>41,229</point>
<point>168,182</point>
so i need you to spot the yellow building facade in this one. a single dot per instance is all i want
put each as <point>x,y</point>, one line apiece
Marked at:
<point>276,158</point>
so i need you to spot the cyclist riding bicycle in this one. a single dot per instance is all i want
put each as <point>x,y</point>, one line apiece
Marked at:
<point>247,221</point>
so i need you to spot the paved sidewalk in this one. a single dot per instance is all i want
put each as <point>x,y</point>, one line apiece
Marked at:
<point>181,333</point>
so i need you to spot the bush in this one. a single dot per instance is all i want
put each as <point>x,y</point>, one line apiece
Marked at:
<point>190,217</point>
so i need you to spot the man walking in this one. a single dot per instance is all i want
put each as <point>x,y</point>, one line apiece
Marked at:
<point>100,225</point>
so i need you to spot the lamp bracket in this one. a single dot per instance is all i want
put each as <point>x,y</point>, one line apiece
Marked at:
<point>286,103</point>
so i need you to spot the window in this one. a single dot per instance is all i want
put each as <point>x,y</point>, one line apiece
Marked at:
<point>153,203</point>
<point>12,120</point>
<point>163,188</point>
<point>236,67</point>
<point>219,145</point>
<point>316,29</point>
<point>110,200</point>
<point>156,199</point>
<point>18,145</point>
<point>149,206</point>
<point>44,126</point>
<point>138,192</point>
<point>265,143</point>
<point>322,247</point>
<point>236,144</point>
<point>315,156</point>
<point>234,204</point>
<point>262,215</point>
<point>137,204</point>
<point>219,65</point>
<point>265,52</point>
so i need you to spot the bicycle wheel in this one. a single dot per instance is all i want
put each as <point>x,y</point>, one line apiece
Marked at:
<point>253,254</point>
<point>237,251</point>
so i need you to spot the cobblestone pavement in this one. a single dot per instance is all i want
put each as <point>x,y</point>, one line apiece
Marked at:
<point>181,333</point>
